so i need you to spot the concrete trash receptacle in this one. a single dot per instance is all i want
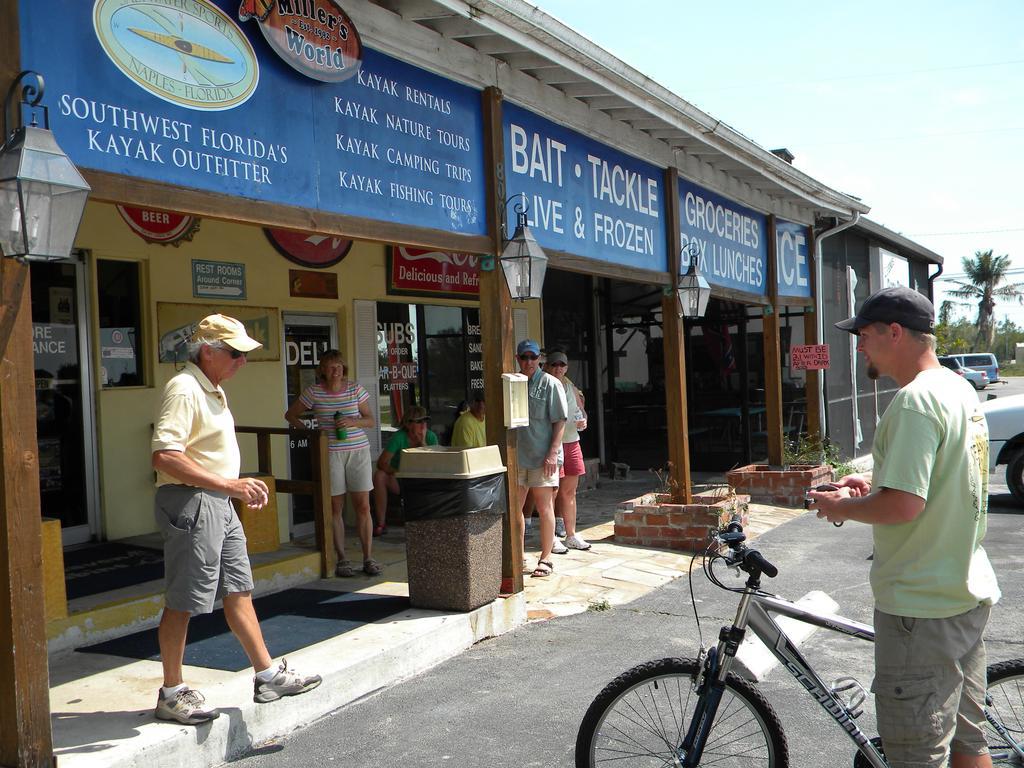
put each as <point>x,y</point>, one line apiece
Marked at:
<point>454,500</point>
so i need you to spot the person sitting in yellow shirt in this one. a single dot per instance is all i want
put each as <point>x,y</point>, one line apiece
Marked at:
<point>470,428</point>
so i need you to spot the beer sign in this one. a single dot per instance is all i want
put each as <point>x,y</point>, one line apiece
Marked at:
<point>162,227</point>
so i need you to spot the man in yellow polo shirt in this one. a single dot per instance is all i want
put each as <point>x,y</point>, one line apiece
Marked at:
<point>470,430</point>
<point>927,503</point>
<point>196,458</point>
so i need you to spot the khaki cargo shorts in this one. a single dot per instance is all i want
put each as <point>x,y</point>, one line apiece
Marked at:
<point>535,478</point>
<point>205,556</point>
<point>930,679</point>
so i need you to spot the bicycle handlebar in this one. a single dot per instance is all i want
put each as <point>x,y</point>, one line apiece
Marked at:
<point>749,560</point>
<point>758,561</point>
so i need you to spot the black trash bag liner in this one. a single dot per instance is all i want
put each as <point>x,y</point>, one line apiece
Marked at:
<point>434,499</point>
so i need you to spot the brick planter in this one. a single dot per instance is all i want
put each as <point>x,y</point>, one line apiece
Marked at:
<point>766,484</point>
<point>652,520</point>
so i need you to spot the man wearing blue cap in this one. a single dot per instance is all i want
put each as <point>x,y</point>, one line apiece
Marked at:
<point>540,447</point>
<point>927,503</point>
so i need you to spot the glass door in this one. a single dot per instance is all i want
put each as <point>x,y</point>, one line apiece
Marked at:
<point>65,425</point>
<point>305,338</point>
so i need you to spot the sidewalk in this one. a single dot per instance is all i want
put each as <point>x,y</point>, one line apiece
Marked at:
<point>102,705</point>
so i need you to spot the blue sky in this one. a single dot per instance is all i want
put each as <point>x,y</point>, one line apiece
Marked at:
<point>915,107</point>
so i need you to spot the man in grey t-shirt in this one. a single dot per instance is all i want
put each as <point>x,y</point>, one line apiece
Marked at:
<point>540,447</point>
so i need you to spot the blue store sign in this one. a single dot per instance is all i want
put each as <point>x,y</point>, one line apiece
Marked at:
<point>584,198</point>
<point>180,93</point>
<point>733,239</point>
<point>792,259</point>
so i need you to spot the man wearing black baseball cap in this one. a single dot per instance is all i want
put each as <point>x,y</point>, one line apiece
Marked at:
<point>927,502</point>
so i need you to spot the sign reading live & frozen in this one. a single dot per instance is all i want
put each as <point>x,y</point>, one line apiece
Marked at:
<point>792,259</point>
<point>418,272</point>
<point>733,239</point>
<point>584,198</point>
<point>188,93</point>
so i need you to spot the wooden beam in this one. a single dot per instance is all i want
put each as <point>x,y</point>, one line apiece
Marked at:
<point>813,378</point>
<point>497,340</point>
<point>676,419</point>
<point>772,354</point>
<point>25,736</point>
<point>109,187</point>
<point>25,739</point>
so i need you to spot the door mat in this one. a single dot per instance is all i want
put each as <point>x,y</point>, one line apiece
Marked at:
<point>290,620</point>
<point>109,565</point>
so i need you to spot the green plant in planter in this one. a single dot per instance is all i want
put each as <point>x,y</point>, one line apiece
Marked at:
<point>668,485</point>
<point>805,450</point>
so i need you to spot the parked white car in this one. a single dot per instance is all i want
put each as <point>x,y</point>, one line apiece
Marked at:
<point>1005,416</point>
<point>978,379</point>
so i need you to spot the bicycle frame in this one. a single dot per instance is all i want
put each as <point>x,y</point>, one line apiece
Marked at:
<point>755,611</point>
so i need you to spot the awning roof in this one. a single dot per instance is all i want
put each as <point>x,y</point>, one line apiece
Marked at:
<point>530,41</point>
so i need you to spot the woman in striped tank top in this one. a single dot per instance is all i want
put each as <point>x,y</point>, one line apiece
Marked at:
<point>342,410</point>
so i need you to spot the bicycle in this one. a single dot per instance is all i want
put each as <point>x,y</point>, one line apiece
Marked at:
<point>693,712</point>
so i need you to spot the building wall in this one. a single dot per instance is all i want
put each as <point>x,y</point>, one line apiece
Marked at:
<point>257,393</point>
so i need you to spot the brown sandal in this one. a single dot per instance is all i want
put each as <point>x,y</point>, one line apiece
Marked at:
<point>544,568</point>
<point>371,567</point>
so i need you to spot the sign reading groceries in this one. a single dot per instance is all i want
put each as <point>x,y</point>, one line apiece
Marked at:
<point>421,272</point>
<point>809,357</point>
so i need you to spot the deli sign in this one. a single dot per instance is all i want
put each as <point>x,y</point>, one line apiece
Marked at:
<point>432,273</point>
<point>314,37</point>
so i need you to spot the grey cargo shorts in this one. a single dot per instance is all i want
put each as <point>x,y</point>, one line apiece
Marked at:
<point>205,556</point>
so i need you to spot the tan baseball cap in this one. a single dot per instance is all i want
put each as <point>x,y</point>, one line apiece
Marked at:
<point>226,329</point>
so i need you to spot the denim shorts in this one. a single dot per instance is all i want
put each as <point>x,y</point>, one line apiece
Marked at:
<point>930,679</point>
<point>205,557</point>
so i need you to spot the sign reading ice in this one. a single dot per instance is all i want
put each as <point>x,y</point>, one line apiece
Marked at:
<point>792,259</point>
<point>732,238</point>
<point>584,198</point>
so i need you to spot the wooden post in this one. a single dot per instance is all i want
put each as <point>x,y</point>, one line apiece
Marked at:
<point>497,339</point>
<point>25,739</point>
<point>322,512</point>
<point>814,431</point>
<point>772,352</point>
<point>675,354</point>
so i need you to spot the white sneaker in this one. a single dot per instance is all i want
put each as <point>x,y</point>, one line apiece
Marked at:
<point>558,547</point>
<point>287,682</point>
<point>186,706</point>
<point>576,542</point>
<point>559,527</point>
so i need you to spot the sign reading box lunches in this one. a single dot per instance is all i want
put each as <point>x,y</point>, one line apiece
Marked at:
<point>584,198</point>
<point>184,93</point>
<point>793,265</point>
<point>733,239</point>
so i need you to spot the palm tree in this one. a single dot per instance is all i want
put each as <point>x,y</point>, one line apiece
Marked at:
<point>984,274</point>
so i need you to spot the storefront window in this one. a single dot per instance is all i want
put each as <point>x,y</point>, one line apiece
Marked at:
<point>428,355</point>
<point>120,323</point>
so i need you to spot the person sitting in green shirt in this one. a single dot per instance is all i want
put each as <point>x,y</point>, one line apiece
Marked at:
<point>413,434</point>
<point>470,430</point>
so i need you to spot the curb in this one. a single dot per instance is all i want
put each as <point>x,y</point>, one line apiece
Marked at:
<point>754,660</point>
<point>354,665</point>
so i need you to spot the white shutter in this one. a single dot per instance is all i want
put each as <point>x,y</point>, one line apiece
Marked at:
<point>367,365</point>
<point>520,326</point>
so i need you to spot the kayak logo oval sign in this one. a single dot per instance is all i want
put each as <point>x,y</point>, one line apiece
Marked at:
<point>191,54</point>
<point>314,37</point>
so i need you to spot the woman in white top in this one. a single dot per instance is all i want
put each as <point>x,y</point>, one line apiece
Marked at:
<point>569,473</point>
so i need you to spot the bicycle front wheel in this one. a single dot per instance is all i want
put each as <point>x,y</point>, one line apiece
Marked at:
<point>641,718</point>
<point>1005,704</point>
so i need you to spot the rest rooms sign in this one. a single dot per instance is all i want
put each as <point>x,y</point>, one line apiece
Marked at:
<point>179,93</point>
<point>733,239</point>
<point>584,198</point>
<point>218,280</point>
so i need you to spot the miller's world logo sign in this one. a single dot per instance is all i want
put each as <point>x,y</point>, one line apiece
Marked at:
<point>314,37</point>
<point>191,54</point>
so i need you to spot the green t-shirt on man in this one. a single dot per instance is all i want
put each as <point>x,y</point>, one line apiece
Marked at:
<point>932,441</point>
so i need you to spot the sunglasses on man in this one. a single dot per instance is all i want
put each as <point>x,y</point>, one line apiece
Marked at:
<point>235,354</point>
<point>528,357</point>
<point>424,420</point>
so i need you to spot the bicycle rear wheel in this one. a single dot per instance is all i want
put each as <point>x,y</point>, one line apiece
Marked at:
<point>1005,703</point>
<point>641,718</point>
